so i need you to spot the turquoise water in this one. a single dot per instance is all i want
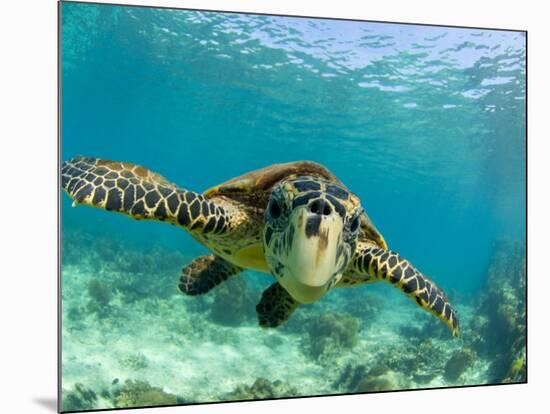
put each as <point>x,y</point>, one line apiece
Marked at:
<point>425,124</point>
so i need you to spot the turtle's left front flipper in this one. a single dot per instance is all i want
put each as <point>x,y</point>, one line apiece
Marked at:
<point>204,273</point>
<point>138,192</point>
<point>389,266</point>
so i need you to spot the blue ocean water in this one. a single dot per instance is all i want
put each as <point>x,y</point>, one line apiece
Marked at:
<point>425,124</point>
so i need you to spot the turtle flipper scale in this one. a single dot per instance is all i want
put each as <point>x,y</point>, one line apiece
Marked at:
<point>275,306</point>
<point>140,193</point>
<point>389,266</point>
<point>205,273</point>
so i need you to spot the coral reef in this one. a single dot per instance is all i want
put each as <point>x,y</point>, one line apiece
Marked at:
<point>501,326</point>
<point>75,313</point>
<point>420,362</point>
<point>130,270</point>
<point>135,362</point>
<point>330,334</point>
<point>234,303</point>
<point>460,361</point>
<point>350,377</point>
<point>518,370</point>
<point>78,399</point>
<point>100,297</point>
<point>141,393</point>
<point>359,378</point>
<point>138,276</point>
<point>73,244</point>
<point>362,304</point>
<point>262,389</point>
<point>139,315</point>
<point>374,384</point>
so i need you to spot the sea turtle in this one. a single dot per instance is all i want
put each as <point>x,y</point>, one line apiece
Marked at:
<point>296,221</point>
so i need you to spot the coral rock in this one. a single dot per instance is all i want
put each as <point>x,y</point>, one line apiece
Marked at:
<point>78,399</point>
<point>234,303</point>
<point>374,384</point>
<point>458,363</point>
<point>262,389</point>
<point>141,394</point>
<point>328,335</point>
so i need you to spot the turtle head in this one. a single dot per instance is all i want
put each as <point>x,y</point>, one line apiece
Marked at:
<point>310,234</point>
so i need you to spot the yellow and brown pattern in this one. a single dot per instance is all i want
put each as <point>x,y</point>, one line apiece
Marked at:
<point>371,263</point>
<point>142,194</point>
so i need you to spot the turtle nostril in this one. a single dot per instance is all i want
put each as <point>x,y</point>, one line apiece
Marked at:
<point>320,207</point>
<point>314,207</point>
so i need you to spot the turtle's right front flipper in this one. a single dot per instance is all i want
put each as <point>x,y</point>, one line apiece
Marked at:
<point>140,193</point>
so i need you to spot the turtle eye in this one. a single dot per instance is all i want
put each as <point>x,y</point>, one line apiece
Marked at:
<point>274,209</point>
<point>354,224</point>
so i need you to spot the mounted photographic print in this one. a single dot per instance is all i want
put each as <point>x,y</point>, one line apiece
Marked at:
<point>306,206</point>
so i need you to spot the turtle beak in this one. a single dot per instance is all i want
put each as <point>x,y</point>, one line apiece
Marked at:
<point>315,253</point>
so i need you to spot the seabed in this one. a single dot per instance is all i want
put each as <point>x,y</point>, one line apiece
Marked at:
<point>130,338</point>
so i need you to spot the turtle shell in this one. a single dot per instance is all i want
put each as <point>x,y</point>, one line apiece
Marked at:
<point>254,188</point>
